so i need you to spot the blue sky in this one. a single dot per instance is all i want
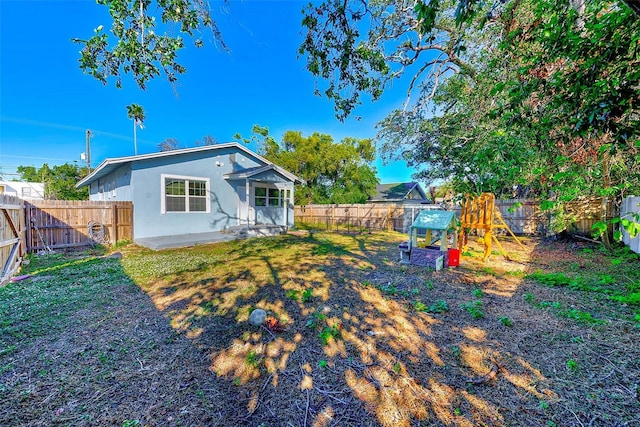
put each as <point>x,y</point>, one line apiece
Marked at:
<point>47,103</point>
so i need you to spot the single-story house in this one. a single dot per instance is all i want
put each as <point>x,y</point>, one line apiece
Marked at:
<point>196,190</point>
<point>23,190</point>
<point>400,192</point>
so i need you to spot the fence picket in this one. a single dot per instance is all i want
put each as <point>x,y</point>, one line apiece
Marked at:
<point>64,223</point>
<point>523,216</point>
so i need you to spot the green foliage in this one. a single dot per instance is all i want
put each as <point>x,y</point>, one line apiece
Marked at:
<point>561,311</point>
<point>420,307</point>
<point>316,320</point>
<point>474,308</point>
<point>329,332</point>
<point>389,289</point>
<point>477,293</point>
<point>136,45</point>
<point>543,100</point>
<point>630,299</point>
<point>550,279</point>
<point>572,365</point>
<point>505,321</point>
<point>36,308</point>
<point>136,112</point>
<point>580,316</point>
<point>307,295</point>
<point>439,306</point>
<point>322,363</point>
<point>335,172</point>
<point>252,359</point>
<point>59,181</point>
<point>293,294</point>
<point>456,352</point>
<point>335,51</point>
<point>630,222</point>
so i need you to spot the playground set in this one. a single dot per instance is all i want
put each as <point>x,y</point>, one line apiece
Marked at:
<point>477,213</point>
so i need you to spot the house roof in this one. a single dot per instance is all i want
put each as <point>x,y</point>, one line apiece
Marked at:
<point>397,192</point>
<point>251,172</point>
<point>109,165</point>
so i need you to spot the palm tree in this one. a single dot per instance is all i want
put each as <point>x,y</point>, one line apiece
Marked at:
<point>136,113</point>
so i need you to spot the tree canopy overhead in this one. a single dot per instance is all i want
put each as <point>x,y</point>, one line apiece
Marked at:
<point>536,98</point>
<point>360,48</point>
<point>502,96</point>
<point>144,39</point>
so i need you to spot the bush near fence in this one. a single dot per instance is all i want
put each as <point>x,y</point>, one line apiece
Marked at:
<point>523,216</point>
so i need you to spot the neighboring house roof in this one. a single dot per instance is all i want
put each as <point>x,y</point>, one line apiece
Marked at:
<point>398,192</point>
<point>109,165</point>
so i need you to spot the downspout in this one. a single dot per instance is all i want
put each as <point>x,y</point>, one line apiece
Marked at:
<point>246,195</point>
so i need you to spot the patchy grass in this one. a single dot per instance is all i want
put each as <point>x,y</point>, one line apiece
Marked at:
<point>162,338</point>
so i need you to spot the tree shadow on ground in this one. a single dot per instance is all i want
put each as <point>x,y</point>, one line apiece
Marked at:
<point>361,348</point>
<point>364,340</point>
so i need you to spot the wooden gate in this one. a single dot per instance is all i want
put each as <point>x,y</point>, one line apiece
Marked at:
<point>61,224</point>
<point>12,236</point>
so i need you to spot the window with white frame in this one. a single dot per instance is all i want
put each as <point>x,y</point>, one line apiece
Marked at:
<point>266,196</point>
<point>185,194</point>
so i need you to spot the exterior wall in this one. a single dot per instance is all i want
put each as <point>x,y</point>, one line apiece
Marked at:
<point>280,215</point>
<point>146,192</point>
<point>142,182</point>
<point>113,187</point>
<point>23,190</point>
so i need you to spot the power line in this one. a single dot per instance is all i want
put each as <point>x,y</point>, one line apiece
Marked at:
<point>30,122</point>
<point>34,158</point>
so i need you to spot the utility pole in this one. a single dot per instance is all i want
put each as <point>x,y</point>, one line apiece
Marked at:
<point>89,135</point>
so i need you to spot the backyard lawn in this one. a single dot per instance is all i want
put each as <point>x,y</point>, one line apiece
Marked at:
<point>549,337</point>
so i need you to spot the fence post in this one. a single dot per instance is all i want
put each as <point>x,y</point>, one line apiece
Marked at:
<point>114,221</point>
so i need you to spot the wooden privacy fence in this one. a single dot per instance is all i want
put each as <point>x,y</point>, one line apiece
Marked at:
<point>370,216</point>
<point>523,216</point>
<point>12,236</point>
<point>60,224</point>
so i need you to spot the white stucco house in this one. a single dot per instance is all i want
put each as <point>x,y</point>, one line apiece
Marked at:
<point>23,190</point>
<point>196,190</point>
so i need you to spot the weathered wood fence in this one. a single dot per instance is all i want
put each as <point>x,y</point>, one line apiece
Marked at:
<point>523,216</point>
<point>12,236</point>
<point>370,216</point>
<point>62,224</point>
<point>45,225</point>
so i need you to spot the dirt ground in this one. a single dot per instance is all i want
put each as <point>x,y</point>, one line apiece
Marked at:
<point>373,343</point>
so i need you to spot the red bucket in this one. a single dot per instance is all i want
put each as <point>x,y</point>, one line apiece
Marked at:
<point>454,257</point>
